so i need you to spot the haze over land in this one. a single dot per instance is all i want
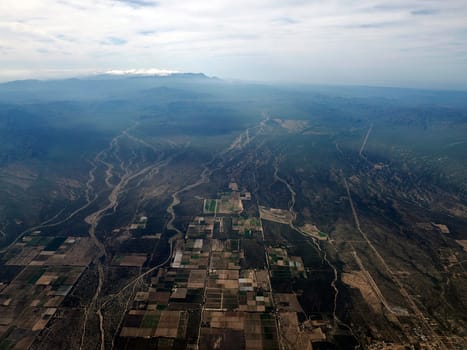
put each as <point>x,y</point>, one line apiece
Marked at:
<point>365,42</point>
<point>181,211</point>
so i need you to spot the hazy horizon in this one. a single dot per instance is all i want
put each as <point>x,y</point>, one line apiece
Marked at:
<point>375,43</point>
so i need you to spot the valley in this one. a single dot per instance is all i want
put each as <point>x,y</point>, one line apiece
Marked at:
<point>201,222</point>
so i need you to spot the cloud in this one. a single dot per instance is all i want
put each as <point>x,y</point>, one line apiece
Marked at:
<point>112,40</point>
<point>361,41</point>
<point>424,12</point>
<point>286,20</point>
<point>147,32</point>
<point>376,25</point>
<point>139,3</point>
<point>150,71</point>
<point>65,38</point>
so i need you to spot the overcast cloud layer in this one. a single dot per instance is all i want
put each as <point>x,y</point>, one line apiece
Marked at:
<point>371,42</point>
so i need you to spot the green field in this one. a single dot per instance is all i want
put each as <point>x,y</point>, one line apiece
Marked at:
<point>210,205</point>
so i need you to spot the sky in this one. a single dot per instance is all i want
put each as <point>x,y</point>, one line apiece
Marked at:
<point>409,43</point>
